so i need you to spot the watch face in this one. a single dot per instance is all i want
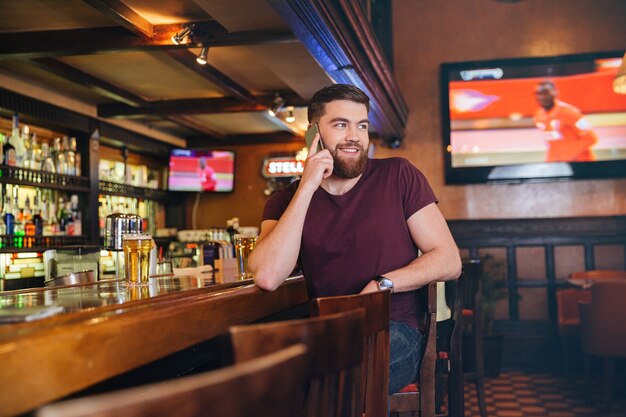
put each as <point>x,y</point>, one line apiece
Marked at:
<point>385,283</point>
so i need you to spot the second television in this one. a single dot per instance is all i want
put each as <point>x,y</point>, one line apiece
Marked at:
<point>201,170</point>
<point>533,119</point>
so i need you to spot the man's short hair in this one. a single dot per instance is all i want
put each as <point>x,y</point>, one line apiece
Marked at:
<point>548,83</point>
<point>335,92</point>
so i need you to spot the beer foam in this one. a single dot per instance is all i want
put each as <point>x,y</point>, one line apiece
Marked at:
<point>136,236</point>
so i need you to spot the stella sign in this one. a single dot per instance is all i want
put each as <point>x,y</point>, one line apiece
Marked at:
<point>282,167</point>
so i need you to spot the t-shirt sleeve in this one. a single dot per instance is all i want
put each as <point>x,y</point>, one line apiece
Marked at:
<point>277,204</point>
<point>417,193</point>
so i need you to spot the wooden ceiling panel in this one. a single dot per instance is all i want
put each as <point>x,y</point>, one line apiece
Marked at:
<point>151,75</point>
<point>38,76</point>
<point>240,15</point>
<point>164,12</point>
<point>240,123</point>
<point>245,67</point>
<point>295,66</point>
<point>36,15</point>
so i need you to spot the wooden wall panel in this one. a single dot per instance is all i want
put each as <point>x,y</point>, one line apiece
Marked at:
<point>429,32</point>
<point>248,200</point>
<point>609,257</point>
<point>568,259</point>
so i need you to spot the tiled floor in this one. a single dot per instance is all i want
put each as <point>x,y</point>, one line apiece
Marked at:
<point>515,394</point>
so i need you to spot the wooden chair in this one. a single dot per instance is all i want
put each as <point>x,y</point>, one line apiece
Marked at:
<point>473,327</point>
<point>598,274</point>
<point>418,399</point>
<point>375,375</point>
<point>603,329</point>
<point>449,365</point>
<point>568,317</point>
<point>334,360</point>
<point>271,385</point>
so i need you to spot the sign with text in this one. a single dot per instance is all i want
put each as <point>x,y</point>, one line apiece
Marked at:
<point>282,167</point>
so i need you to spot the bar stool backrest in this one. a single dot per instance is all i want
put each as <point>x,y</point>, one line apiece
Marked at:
<point>249,389</point>
<point>376,343</point>
<point>334,360</point>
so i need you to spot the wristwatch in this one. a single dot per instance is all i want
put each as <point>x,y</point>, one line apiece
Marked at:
<point>384,283</point>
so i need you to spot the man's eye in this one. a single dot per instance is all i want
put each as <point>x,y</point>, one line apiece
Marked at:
<point>341,125</point>
<point>363,127</point>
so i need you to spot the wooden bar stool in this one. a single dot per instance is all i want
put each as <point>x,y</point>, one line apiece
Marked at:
<point>334,360</point>
<point>271,385</point>
<point>603,330</point>
<point>376,343</point>
<point>418,399</point>
<point>473,327</point>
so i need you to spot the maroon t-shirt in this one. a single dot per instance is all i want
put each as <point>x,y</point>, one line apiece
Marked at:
<point>349,239</point>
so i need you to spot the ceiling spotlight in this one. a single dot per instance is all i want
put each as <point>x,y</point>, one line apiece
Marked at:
<point>203,55</point>
<point>290,117</point>
<point>180,36</point>
<point>279,103</point>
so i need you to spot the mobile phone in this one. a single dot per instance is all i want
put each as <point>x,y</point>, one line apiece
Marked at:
<point>310,135</point>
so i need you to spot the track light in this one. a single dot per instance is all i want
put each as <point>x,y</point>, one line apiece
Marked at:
<point>290,117</point>
<point>203,55</point>
<point>180,36</point>
<point>279,103</point>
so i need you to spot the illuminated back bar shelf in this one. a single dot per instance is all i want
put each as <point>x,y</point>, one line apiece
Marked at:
<point>37,178</point>
<point>114,188</point>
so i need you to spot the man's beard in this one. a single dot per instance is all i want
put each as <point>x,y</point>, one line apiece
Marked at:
<point>348,169</point>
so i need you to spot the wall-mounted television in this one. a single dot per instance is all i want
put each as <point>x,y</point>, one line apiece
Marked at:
<point>201,170</point>
<point>498,125</point>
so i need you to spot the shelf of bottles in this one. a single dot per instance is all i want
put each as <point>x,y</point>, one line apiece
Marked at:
<point>38,178</point>
<point>114,188</point>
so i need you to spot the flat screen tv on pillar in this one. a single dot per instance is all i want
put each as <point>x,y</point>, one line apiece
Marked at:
<point>533,119</point>
<point>201,170</point>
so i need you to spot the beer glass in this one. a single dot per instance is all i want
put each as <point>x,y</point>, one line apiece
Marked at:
<point>244,243</point>
<point>137,248</point>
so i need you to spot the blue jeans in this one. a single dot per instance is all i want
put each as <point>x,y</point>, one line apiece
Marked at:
<point>405,354</point>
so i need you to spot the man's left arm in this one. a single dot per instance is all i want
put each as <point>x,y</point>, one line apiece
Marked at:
<point>440,260</point>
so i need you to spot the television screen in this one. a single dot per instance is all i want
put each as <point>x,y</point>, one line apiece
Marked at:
<point>201,170</point>
<point>533,119</point>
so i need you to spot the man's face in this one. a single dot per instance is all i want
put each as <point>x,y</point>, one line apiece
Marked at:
<point>545,95</point>
<point>343,128</point>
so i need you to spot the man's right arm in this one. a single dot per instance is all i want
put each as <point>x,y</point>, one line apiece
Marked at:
<point>278,246</point>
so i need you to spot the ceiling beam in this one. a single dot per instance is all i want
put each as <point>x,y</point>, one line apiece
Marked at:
<point>124,16</point>
<point>86,80</point>
<point>253,139</point>
<point>54,43</point>
<point>213,75</point>
<point>116,93</point>
<point>196,106</point>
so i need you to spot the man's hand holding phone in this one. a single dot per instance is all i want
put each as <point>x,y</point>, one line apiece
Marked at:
<point>319,163</point>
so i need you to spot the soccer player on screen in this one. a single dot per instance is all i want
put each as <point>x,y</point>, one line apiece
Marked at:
<point>207,176</point>
<point>568,135</point>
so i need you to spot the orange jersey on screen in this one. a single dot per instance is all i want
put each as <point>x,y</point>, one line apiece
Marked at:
<point>568,135</point>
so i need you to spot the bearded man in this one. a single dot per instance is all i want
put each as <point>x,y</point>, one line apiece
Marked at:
<point>356,225</point>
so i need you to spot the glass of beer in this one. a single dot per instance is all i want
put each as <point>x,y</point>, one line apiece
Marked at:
<point>244,243</point>
<point>137,248</point>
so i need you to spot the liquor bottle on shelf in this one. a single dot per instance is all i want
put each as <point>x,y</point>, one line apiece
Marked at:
<point>66,219</point>
<point>38,222</point>
<point>47,164</point>
<point>60,161</point>
<point>3,140</point>
<point>77,217</point>
<point>9,148</point>
<point>9,219</point>
<point>26,142</point>
<point>77,158</point>
<point>70,155</point>
<point>33,154</point>
<point>18,142</point>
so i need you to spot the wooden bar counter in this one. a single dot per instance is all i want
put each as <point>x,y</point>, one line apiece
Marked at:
<point>108,328</point>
